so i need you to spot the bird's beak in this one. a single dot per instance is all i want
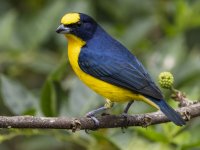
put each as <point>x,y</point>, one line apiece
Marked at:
<point>63,30</point>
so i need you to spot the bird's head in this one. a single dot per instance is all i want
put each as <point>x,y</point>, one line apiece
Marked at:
<point>77,24</point>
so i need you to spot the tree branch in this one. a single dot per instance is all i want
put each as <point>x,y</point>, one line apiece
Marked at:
<point>107,121</point>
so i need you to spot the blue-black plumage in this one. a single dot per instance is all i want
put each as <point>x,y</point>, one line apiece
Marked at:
<point>169,112</point>
<point>105,58</point>
<point>97,57</point>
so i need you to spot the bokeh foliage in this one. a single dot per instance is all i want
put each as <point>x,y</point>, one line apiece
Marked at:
<point>36,78</point>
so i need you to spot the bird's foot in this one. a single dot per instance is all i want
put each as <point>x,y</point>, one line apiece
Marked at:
<point>92,114</point>
<point>126,122</point>
<point>105,114</point>
<point>94,119</point>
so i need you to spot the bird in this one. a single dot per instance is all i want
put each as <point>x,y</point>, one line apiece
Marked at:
<point>109,68</point>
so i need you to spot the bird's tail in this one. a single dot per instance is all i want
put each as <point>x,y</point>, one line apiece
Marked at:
<point>169,112</point>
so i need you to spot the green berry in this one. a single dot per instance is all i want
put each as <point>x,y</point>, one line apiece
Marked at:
<point>166,80</point>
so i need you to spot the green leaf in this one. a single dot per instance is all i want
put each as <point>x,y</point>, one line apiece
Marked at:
<point>186,73</point>
<point>48,99</point>
<point>80,96</point>
<point>30,112</point>
<point>7,28</point>
<point>138,30</point>
<point>131,140</point>
<point>152,134</point>
<point>43,25</point>
<point>52,94</point>
<point>103,142</point>
<point>60,71</point>
<point>16,97</point>
<point>183,139</point>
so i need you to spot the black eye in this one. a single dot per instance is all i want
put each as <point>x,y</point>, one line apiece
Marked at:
<point>79,24</point>
<point>65,25</point>
<point>73,25</point>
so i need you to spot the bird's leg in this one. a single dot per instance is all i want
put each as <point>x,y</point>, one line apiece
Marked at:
<point>127,108</point>
<point>124,114</point>
<point>92,113</point>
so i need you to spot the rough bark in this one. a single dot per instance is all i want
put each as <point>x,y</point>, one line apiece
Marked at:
<point>107,121</point>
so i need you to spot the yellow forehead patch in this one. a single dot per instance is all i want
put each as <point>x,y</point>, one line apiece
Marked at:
<point>70,18</point>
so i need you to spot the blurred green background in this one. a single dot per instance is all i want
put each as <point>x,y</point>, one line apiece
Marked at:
<point>36,78</point>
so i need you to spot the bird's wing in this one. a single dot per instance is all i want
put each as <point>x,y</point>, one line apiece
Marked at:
<point>126,73</point>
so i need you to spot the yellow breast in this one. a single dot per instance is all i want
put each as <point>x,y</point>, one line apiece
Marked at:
<point>112,92</point>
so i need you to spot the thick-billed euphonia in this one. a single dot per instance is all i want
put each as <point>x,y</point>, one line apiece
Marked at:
<point>108,68</point>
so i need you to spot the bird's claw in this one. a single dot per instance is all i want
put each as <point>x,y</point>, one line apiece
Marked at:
<point>95,120</point>
<point>125,116</point>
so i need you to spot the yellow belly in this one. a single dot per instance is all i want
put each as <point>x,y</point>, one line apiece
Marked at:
<point>109,91</point>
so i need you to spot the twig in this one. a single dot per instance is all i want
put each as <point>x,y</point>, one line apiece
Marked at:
<point>181,98</point>
<point>108,121</point>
